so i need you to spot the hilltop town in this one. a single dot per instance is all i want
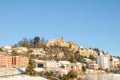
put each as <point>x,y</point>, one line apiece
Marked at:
<point>55,60</point>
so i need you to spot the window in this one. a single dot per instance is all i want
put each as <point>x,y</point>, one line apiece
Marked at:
<point>40,66</point>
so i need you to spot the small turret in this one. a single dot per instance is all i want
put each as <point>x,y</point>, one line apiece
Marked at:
<point>62,39</point>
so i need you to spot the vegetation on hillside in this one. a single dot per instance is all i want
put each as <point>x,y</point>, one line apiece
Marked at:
<point>53,52</point>
<point>36,42</point>
<point>29,70</point>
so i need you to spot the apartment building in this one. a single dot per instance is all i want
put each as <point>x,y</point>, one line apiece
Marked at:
<point>9,61</point>
<point>103,61</point>
<point>5,60</point>
<point>20,61</point>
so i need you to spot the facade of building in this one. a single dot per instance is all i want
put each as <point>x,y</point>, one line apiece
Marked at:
<point>20,61</point>
<point>9,61</point>
<point>5,60</point>
<point>59,71</point>
<point>20,50</point>
<point>38,63</point>
<point>115,59</point>
<point>103,61</point>
<point>114,64</point>
<point>57,42</point>
<point>62,43</point>
<point>48,65</point>
<point>38,51</point>
<point>93,66</point>
<point>7,49</point>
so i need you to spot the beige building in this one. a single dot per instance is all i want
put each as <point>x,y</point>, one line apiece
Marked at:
<point>71,45</point>
<point>114,64</point>
<point>20,50</point>
<point>57,43</point>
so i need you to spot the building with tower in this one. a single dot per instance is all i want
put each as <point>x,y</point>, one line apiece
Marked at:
<point>57,43</point>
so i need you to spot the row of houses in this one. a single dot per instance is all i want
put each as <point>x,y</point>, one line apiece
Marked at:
<point>63,67</point>
<point>9,49</point>
<point>60,67</point>
<point>103,61</point>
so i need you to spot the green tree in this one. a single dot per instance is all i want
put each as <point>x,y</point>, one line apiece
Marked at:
<point>111,59</point>
<point>118,65</point>
<point>30,69</point>
<point>97,50</point>
<point>72,74</point>
<point>24,43</point>
<point>31,43</point>
<point>78,57</point>
<point>36,42</point>
<point>43,42</point>
<point>1,49</point>
<point>72,59</point>
<point>64,77</point>
<point>13,53</point>
<point>91,57</point>
<point>83,68</point>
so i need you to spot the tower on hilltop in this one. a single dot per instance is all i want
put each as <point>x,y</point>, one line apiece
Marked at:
<point>62,39</point>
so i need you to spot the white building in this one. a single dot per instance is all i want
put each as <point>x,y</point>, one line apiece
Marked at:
<point>103,61</point>
<point>7,49</point>
<point>50,64</point>
<point>115,59</point>
<point>47,65</point>
<point>39,51</point>
<point>59,71</point>
<point>61,63</point>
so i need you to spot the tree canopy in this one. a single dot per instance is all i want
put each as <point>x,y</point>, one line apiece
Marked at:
<point>29,70</point>
<point>36,42</point>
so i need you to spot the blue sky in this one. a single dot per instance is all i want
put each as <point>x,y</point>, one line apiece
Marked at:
<point>89,23</point>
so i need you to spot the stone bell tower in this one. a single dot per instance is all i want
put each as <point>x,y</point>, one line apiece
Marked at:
<point>62,39</point>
